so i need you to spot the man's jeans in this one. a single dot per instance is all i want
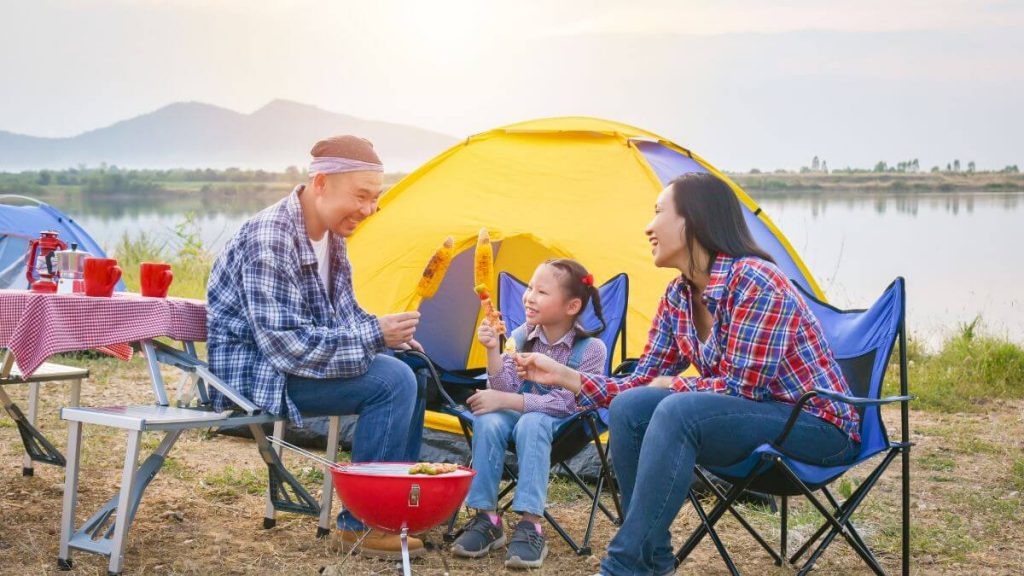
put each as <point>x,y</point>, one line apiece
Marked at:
<point>532,433</point>
<point>656,438</point>
<point>389,400</point>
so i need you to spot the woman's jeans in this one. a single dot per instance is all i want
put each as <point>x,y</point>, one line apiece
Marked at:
<point>532,433</point>
<point>390,402</point>
<point>656,438</point>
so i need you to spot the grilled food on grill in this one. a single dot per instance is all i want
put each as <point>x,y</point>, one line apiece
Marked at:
<point>433,468</point>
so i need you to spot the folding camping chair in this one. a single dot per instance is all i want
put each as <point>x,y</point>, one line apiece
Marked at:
<point>862,341</point>
<point>572,436</point>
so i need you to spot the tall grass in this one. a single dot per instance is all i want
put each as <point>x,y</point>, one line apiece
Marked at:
<point>190,260</point>
<point>971,370</point>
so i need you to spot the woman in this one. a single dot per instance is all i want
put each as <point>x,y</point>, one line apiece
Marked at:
<point>736,318</point>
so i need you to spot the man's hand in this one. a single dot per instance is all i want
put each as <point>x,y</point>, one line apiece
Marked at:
<point>489,400</point>
<point>487,335</point>
<point>398,329</point>
<point>412,345</point>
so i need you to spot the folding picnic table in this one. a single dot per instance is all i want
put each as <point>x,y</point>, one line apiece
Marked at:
<point>35,326</point>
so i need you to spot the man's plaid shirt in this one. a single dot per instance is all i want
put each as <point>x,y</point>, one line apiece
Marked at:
<point>270,315</point>
<point>765,344</point>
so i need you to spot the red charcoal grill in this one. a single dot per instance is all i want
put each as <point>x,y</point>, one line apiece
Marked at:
<point>383,495</point>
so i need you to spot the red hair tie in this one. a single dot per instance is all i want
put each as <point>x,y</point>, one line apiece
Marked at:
<point>588,279</point>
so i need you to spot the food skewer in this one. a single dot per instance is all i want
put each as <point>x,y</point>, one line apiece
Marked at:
<point>483,277</point>
<point>433,274</point>
<point>490,311</point>
<point>483,260</point>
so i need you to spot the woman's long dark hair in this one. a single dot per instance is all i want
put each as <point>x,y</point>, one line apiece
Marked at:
<point>714,218</point>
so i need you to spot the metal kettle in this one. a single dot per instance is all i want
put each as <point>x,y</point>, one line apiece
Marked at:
<point>71,270</point>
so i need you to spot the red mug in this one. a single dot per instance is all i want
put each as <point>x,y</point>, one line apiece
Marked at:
<point>101,275</point>
<point>155,278</point>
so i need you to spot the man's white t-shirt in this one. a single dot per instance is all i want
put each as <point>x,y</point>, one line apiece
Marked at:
<point>322,249</point>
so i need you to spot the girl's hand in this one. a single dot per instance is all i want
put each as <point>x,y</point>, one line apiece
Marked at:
<point>487,335</point>
<point>666,382</point>
<point>545,370</point>
<point>489,400</point>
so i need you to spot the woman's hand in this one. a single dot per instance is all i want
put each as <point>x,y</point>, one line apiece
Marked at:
<point>545,370</point>
<point>487,335</point>
<point>663,382</point>
<point>489,400</point>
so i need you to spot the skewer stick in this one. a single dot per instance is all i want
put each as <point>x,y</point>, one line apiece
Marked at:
<point>301,452</point>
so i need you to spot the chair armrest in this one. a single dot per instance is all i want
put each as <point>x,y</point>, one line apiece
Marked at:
<point>415,357</point>
<point>853,401</point>
<point>625,367</point>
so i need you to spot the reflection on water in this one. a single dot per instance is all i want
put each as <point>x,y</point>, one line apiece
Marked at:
<point>906,203</point>
<point>111,208</point>
<point>958,251</point>
<point>216,215</point>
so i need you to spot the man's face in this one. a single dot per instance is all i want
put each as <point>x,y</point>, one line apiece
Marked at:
<point>345,200</point>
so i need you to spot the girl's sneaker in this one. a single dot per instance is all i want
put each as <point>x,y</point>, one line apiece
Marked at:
<point>527,548</point>
<point>479,537</point>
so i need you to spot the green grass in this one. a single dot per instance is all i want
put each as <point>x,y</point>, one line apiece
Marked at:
<point>936,463</point>
<point>952,540</point>
<point>970,370</point>
<point>310,475</point>
<point>231,483</point>
<point>990,510</point>
<point>970,444</point>
<point>177,469</point>
<point>1017,474</point>
<point>846,486</point>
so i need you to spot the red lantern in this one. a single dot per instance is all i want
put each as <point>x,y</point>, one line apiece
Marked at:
<point>41,250</point>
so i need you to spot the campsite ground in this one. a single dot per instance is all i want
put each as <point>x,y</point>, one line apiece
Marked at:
<point>203,512</point>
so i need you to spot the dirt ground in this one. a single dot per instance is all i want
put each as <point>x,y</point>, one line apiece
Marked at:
<point>203,513</point>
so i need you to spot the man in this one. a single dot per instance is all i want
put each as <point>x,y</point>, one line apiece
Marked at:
<point>286,331</point>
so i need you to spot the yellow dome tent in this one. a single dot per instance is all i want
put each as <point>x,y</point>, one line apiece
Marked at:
<point>561,187</point>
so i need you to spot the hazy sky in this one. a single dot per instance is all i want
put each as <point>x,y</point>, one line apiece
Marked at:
<point>743,83</point>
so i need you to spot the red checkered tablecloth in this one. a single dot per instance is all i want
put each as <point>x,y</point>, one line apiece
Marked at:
<point>35,326</point>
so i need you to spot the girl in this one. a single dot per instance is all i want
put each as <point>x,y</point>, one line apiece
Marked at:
<point>734,316</point>
<point>511,409</point>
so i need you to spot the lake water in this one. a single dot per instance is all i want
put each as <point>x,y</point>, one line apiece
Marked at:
<point>960,252</point>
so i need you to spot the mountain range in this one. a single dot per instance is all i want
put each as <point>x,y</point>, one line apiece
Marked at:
<point>198,135</point>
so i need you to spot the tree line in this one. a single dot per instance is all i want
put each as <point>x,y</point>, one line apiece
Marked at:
<point>111,179</point>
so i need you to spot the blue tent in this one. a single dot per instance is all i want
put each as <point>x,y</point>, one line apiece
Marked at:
<point>22,223</point>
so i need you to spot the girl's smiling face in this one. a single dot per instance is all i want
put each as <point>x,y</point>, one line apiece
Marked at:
<point>545,301</point>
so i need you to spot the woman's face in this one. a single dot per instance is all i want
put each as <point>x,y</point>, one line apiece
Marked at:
<point>665,233</point>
